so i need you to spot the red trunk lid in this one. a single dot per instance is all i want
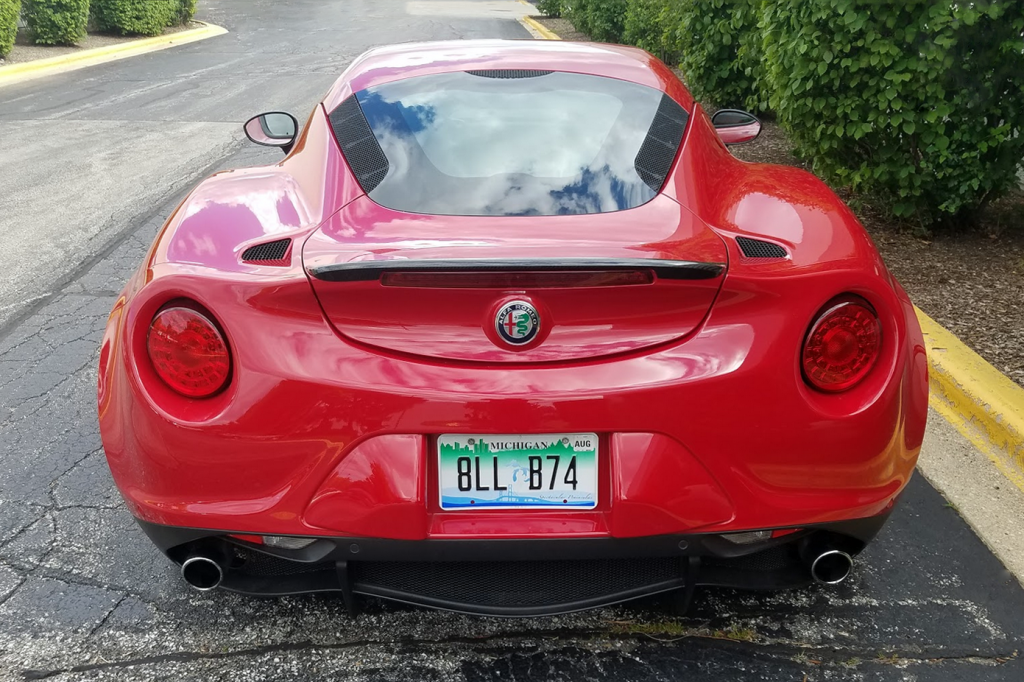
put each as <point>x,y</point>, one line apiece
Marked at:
<point>436,286</point>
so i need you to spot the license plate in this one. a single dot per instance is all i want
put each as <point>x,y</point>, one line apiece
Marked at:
<point>550,471</point>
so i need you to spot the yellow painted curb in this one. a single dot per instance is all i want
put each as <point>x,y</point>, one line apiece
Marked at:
<point>976,398</point>
<point>15,73</point>
<point>544,31</point>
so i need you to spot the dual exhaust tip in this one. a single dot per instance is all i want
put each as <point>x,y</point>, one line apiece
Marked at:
<point>203,572</point>
<point>831,566</point>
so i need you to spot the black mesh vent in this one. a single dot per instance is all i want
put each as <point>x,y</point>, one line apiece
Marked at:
<point>258,564</point>
<point>509,73</point>
<point>268,251</point>
<point>360,147</point>
<point>654,160</point>
<point>755,248</point>
<point>516,583</point>
<point>772,559</point>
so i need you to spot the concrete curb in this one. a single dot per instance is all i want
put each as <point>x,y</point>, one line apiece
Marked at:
<point>976,398</point>
<point>16,73</point>
<point>539,29</point>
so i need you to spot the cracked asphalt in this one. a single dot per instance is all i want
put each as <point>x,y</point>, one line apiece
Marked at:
<point>83,594</point>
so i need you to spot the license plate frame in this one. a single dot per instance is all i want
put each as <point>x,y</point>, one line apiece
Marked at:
<point>565,458</point>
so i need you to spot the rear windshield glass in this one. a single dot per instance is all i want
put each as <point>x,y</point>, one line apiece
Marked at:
<point>547,143</point>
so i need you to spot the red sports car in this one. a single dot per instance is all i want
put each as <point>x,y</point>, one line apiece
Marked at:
<point>510,331</point>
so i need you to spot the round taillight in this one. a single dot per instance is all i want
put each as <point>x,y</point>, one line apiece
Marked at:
<point>188,352</point>
<point>842,345</point>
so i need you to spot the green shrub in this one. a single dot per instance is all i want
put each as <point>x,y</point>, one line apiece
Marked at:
<point>552,8</point>
<point>719,50</point>
<point>140,17</point>
<point>602,20</point>
<point>919,102</point>
<point>654,25</point>
<point>10,10</point>
<point>57,22</point>
<point>183,13</point>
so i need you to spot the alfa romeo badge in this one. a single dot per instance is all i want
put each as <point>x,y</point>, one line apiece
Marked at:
<point>517,323</point>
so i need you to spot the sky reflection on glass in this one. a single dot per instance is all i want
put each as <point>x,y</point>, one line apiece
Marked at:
<point>559,144</point>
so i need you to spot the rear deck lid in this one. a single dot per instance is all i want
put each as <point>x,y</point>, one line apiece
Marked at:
<point>508,289</point>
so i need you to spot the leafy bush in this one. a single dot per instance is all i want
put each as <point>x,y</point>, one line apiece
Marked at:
<point>552,8</point>
<point>10,10</point>
<point>141,17</point>
<point>183,14</point>
<point>719,50</point>
<point>57,22</point>
<point>654,25</point>
<point>602,20</point>
<point>919,102</point>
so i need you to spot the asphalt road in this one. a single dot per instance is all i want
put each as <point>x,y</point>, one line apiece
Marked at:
<point>99,157</point>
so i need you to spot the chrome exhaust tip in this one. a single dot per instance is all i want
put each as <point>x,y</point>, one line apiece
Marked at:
<point>831,567</point>
<point>202,572</point>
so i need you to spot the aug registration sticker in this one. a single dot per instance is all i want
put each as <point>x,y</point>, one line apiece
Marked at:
<point>518,471</point>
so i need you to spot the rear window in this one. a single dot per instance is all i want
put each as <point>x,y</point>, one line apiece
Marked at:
<point>510,143</point>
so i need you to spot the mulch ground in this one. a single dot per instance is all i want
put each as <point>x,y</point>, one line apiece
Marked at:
<point>970,281</point>
<point>25,51</point>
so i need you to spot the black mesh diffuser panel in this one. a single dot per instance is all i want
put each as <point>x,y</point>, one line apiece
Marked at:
<point>654,160</point>
<point>258,564</point>
<point>360,147</point>
<point>268,251</point>
<point>772,559</point>
<point>755,248</point>
<point>509,73</point>
<point>516,583</point>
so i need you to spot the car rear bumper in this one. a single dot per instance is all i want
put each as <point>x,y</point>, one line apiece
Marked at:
<point>514,577</point>
<point>316,436</point>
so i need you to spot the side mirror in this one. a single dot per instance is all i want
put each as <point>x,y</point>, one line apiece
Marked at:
<point>735,126</point>
<point>273,129</point>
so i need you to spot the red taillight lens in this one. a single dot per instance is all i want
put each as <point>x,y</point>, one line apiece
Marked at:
<point>188,352</point>
<point>842,345</point>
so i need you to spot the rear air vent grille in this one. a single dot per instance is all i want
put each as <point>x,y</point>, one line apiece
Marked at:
<point>270,252</point>
<point>509,73</point>
<point>490,586</point>
<point>360,147</point>
<point>755,248</point>
<point>654,160</point>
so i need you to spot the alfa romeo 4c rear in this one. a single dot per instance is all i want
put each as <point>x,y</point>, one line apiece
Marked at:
<point>510,331</point>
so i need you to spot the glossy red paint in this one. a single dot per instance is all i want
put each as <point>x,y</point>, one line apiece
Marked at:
<point>740,134</point>
<point>587,323</point>
<point>329,423</point>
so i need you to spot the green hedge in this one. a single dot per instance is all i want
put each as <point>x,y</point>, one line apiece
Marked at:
<point>715,42</point>
<point>10,10</point>
<point>719,51</point>
<point>57,22</point>
<point>919,102</point>
<point>134,17</point>
<point>186,9</point>
<point>654,25</point>
<point>552,8</point>
<point>602,20</point>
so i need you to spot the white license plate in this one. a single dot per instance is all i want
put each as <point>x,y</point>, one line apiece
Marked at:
<point>547,471</point>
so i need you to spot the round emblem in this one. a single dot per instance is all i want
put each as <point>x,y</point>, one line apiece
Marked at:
<point>517,323</point>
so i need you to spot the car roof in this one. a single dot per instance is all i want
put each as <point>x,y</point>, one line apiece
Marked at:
<point>407,60</point>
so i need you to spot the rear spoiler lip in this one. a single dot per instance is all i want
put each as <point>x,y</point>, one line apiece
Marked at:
<point>368,270</point>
